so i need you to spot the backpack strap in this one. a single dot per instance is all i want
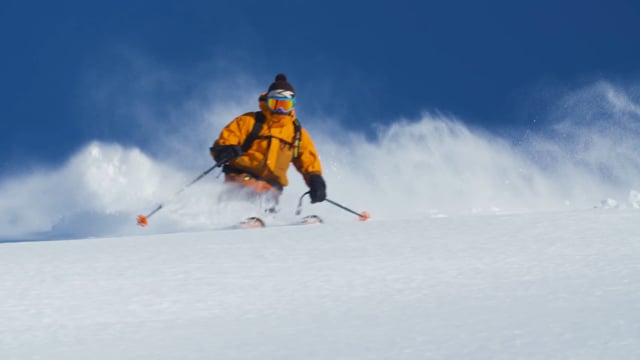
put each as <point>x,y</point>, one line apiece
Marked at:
<point>257,126</point>
<point>296,138</point>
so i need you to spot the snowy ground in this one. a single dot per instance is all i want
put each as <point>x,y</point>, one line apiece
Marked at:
<point>557,285</point>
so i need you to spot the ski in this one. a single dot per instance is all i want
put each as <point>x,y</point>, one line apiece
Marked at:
<point>255,222</point>
<point>251,223</point>
<point>311,219</point>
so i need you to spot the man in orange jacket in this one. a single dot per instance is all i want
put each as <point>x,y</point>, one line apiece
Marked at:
<point>258,147</point>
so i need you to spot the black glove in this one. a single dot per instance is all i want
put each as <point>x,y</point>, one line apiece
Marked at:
<point>317,189</point>
<point>225,153</point>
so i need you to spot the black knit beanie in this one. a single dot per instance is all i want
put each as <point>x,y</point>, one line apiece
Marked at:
<point>281,83</point>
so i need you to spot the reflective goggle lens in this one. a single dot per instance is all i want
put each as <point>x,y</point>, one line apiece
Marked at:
<point>284,105</point>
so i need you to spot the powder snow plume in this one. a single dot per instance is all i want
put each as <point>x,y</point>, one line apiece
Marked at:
<point>585,155</point>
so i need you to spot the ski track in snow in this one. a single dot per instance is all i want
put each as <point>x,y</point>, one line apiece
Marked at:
<point>555,285</point>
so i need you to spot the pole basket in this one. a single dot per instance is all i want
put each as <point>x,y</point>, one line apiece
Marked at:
<point>364,216</point>
<point>142,220</point>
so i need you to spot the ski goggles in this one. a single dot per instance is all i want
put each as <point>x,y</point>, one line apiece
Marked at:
<point>280,104</point>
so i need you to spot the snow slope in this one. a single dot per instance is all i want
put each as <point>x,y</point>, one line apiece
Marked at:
<point>548,285</point>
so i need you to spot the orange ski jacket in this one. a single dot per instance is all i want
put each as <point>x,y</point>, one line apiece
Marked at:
<point>272,151</point>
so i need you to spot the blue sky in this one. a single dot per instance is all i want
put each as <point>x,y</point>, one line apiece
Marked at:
<point>493,64</point>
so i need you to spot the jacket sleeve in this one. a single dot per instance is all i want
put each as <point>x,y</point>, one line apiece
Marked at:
<point>236,131</point>
<point>308,161</point>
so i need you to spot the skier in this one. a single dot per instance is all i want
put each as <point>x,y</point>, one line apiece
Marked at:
<point>258,147</point>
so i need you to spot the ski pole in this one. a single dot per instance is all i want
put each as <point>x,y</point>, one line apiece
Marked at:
<point>299,209</point>
<point>363,216</point>
<point>143,220</point>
